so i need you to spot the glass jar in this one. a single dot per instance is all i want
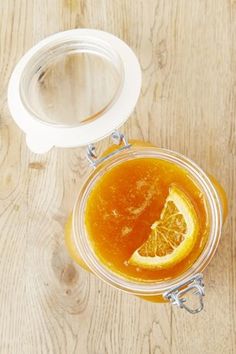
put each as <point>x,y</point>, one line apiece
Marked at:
<point>75,88</point>
<point>82,252</point>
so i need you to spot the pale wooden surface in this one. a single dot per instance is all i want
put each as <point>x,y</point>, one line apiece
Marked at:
<point>187,50</point>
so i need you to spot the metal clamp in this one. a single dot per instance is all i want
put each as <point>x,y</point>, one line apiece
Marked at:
<point>117,138</point>
<point>175,295</point>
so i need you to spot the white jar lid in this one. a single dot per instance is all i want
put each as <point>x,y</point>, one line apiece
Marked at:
<point>73,88</point>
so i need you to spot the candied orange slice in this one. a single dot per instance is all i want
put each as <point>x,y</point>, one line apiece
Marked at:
<point>172,237</point>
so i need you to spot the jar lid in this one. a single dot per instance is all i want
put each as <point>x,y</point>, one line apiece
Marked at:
<point>73,88</point>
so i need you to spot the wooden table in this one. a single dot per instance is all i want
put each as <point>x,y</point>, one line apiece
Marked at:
<point>48,304</point>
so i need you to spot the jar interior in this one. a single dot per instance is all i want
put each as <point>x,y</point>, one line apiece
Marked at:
<point>71,83</point>
<point>118,280</point>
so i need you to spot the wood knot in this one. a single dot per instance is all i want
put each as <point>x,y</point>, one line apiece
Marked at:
<point>37,165</point>
<point>69,274</point>
<point>162,54</point>
<point>63,268</point>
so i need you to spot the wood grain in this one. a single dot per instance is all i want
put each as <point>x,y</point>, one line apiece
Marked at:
<point>187,50</point>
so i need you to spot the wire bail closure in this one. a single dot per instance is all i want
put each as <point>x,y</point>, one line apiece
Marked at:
<point>117,138</point>
<point>175,295</point>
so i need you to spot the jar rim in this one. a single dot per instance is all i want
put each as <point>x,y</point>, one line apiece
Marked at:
<point>41,133</point>
<point>87,253</point>
<point>51,53</point>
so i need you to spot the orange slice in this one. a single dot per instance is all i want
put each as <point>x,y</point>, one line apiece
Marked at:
<point>172,237</point>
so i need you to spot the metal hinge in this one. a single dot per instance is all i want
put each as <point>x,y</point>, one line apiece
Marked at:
<point>176,294</point>
<point>117,138</point>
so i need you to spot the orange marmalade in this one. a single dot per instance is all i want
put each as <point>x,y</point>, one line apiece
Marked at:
<point>123,205</point>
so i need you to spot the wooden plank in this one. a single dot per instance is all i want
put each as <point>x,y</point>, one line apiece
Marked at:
<point>48,304</point>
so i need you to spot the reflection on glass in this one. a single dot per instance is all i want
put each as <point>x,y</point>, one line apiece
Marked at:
<point>72,88</point>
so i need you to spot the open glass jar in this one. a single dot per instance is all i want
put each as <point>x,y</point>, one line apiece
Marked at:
<point>75,88</point>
